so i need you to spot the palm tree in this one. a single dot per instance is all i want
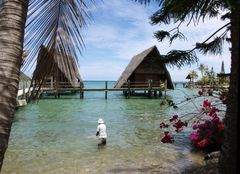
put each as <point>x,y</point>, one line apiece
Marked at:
<point>55,24</point>
<point>202,68</point>
<point>193,75</point>
<point>12,21</point>
<point>194,11</point>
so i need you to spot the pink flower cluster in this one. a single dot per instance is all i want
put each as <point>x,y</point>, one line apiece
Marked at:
<point>177,123</point>
<point>167,138</point>
<point>203,91</point>
<point>209,133</point>
<point>208,127</point>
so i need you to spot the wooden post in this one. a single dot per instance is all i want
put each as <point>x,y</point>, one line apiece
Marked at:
<point>128,91</point>
<point>155,93</point>
<point>24,94</point>
<point>81,90</point>
<point>51,82</point>
<point>106,89</point>
<point>160,89</point>
<point>149,88</point>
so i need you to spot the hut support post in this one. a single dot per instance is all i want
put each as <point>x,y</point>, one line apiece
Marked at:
<point>155,93</point>
<point>51,82</point>
<point>106,89</point>
<point>160,89</point>
<point>128,91</point>
<point>24,93</point>
<point>150,88</point>
<point>81,90</point>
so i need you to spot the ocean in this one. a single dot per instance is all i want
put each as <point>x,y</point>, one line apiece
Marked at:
<point>57,136</point>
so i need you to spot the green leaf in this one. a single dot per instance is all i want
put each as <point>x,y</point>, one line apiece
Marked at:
<point>214,47</point>
<point>180,58</point>
<point>161,35</point>
<point>177,35</point>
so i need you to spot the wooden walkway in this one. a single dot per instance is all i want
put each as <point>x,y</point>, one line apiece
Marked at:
<point>150,89</point>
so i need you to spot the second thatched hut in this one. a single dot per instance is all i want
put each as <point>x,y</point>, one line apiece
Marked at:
<point>144,67</point>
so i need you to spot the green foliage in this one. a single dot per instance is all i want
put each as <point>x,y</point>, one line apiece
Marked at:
<point>213,47</point>
<point>180,58</point>
<point>176,35</point>
<point>161,35</point>
<point>187,10</point>
<point>190,11</point>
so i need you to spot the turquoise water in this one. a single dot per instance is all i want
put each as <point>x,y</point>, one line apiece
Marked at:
<point>57,136</point>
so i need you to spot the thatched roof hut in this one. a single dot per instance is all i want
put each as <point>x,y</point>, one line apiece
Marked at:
<point>146,66</point>
<point>52,67</point>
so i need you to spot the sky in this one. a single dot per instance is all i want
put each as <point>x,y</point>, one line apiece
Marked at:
<point>121,29</point>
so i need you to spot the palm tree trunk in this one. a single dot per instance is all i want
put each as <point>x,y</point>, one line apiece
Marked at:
<point>12,21</point>
<point>228,159</point>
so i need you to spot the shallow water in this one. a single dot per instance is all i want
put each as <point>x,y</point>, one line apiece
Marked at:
<point>57,136</point>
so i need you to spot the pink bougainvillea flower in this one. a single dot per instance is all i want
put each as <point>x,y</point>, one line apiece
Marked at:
<point>167,138</point>
<point>202,144</point>
<point>216,119</point>
<point>220,126</point>
<point>206,103</point>
<point>212,111</point>
<point>178,125</point>
<point>195,126</point>
<point>173,118</point>
<point>194,137</point>
<point>163,125</point>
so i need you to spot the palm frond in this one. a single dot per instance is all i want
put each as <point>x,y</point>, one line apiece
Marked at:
<point>56,24</point>
<point>180,58</point>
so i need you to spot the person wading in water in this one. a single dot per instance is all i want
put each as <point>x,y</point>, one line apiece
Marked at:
<point>101,132</point>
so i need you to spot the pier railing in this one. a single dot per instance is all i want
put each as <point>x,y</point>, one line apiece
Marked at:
<point>129,88</point>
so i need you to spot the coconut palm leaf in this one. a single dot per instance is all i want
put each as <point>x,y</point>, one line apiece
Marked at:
<point>56,24</point>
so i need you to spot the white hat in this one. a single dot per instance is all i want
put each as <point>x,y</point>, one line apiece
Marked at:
<point>100,121</point>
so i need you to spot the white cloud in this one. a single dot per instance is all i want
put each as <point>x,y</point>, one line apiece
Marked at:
<point>121,30</point>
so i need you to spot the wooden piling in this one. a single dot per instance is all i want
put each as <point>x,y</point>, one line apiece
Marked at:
<point>81,90</point>
<point>128,91</point>
<point>149,88</point>
<point>106,89</point>
<point>24,92</point>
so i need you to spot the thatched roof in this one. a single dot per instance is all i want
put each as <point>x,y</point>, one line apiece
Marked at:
<point>134,64</point>
<point>188,77</point>
<point>24,77</point>
<point>54,64</point>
